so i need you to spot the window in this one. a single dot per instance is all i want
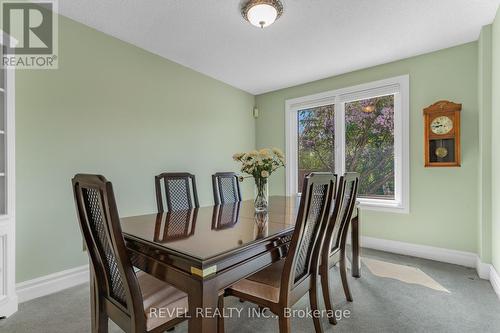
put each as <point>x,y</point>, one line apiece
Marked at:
<point>316,138</point>
<point>369,145</point>
<point>362,129</point>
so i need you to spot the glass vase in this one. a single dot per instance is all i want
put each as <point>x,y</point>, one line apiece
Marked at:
<point>262,195</point>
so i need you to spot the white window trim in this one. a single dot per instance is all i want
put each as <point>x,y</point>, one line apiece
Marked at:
<point>400,87</point>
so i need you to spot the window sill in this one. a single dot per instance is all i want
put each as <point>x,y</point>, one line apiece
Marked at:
<point>388,206</point>
<point>383,206</point>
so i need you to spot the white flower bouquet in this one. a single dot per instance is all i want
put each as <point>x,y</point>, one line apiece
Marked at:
<point>260,164</point>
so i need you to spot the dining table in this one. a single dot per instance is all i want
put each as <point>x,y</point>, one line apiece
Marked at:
<point>204,250</point>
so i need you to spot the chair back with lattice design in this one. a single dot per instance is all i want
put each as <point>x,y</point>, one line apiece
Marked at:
<point>315,202</point>
<point>226,188</point>
<point>175,225</point>
<point>226,215</point>
<point>338,224</point>
<point>180,191</point>
<point>100,225</point>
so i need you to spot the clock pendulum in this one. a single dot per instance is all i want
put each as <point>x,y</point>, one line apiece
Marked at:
<point>441,151</point>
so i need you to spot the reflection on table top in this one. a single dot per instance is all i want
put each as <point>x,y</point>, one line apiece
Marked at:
<point>207,232</point>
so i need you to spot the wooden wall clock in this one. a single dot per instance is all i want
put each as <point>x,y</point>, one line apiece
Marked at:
<point>442,134</point>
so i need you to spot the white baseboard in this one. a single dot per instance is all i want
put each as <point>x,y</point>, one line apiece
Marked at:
<point>483,270</point>
<point>467,259</point>
<point>51,283</point>
<point>8,306</point>
<point>495,280</point>
<point>488,272</point>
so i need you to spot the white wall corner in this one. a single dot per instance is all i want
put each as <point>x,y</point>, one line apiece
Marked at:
<point>52,283</point>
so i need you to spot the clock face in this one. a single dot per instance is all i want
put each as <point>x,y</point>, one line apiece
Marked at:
<point>441,125</point>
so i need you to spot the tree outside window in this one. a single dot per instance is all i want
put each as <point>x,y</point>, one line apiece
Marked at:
<point>369,148</point>
<point>369,143</point>
<point>316,141</point>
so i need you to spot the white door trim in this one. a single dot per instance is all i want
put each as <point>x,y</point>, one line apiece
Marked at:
<point>8,297</point>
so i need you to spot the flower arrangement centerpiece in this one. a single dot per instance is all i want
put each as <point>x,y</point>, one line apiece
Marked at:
<point>260,165</point>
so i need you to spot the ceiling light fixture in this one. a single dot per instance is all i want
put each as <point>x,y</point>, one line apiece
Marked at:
<point>369,108</point>
<point>262,13</point>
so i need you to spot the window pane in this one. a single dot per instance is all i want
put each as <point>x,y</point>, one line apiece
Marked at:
<point>370,145</point>
<point>316,141</point>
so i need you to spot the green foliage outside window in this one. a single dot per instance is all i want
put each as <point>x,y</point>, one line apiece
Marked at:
<point>369,150</point>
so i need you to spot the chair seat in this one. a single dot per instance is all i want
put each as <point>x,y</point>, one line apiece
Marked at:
<point>264,284</point>
<point>157,294</point>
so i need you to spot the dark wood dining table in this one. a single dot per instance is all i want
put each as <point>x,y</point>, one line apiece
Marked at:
<point>205,250</point>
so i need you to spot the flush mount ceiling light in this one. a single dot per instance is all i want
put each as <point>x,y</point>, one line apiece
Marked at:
<point>262,13</point>
<point>369,108</point>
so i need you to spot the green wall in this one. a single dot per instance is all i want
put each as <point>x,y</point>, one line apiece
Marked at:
<point>114,109</point>
<point>444,201</point>
<point>495,148</point>
<point>484,168</point>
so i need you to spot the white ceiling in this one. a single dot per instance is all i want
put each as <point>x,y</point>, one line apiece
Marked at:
<point>313,39</point>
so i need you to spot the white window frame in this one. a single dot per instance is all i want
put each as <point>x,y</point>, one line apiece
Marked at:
<point>399,87</point>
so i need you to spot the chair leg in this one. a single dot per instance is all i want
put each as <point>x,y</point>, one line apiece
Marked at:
<point>313,299</point>
<point>102,322</point>
<point>325,286</point>
<point>220,319</point>
<point>343,275</point>
<point>284,324</point>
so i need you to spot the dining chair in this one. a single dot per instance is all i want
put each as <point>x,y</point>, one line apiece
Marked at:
<point>333,250</point>
<point>226,187</point>
<point>283,283</point>
<point>117,291</point>
<point>180,191</point>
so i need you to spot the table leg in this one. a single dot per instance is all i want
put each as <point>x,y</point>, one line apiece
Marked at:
<point>203,301</point>
<point>356,258</point>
